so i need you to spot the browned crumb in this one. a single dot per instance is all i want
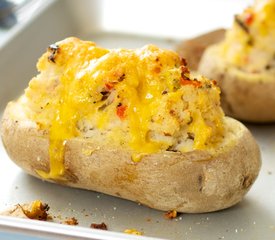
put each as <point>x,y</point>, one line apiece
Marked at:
<point>71,221</point>
<point>101,226</point>
<point>133,231</point>
<point>171,214</point>
<point>35,210</point>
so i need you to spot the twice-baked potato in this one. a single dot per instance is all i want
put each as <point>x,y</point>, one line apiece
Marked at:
<point>243,63</point>
<point>133,124</point>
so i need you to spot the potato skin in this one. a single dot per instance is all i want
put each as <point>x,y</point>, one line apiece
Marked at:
<point>193,182</point>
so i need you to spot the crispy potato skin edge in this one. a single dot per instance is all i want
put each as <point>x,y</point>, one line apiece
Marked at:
<point>193,182</point>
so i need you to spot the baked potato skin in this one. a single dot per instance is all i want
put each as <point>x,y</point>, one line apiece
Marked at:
<point>245,96</point>
<point>192,182</point>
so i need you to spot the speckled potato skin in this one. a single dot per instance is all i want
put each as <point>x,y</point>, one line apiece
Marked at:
<point>246,97</point>
<point>193,182</point>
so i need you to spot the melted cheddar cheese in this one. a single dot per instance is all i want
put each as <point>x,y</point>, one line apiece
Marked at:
<point>249,44</point>
<point>142,99</point>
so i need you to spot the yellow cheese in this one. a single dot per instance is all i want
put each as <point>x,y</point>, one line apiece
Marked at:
<point>142,98</point>
<point>249,44</point>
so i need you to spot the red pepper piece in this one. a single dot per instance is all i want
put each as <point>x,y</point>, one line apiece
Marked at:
<point>184,81</point>
<point>249,18</point>
<point>109,85</point>
<point>120,111</point>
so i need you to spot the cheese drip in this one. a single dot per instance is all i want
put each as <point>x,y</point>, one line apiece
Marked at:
<point>142,99</point>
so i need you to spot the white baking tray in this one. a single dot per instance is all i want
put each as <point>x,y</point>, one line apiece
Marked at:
<point>253,218</point>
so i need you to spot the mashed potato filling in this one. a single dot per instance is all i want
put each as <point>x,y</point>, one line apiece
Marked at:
<point>143,100</point>
<point>249,44</point>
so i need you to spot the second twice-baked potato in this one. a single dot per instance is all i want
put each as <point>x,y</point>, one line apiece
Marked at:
<point>132,123</point>
<point>242,62</point>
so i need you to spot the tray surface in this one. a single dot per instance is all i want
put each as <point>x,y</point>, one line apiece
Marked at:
<point>253,218</point>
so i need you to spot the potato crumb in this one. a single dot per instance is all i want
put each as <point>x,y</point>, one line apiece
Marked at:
<point>171,214</point>
<point>71,221</point>
<point>133,231</point>
<point>36,210</point>
<point>101,226</point>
